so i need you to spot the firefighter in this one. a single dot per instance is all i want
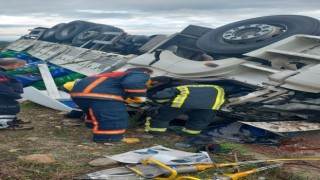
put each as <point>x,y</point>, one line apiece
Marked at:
<point>10,93</point>
<point>102,98</point>
<point>199,101</point>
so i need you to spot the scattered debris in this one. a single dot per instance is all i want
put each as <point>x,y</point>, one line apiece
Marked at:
<point>164,155</point>
<point>286,126</point>
<point>14,150</point>
<point>103,162</point>
<point>131,140</point>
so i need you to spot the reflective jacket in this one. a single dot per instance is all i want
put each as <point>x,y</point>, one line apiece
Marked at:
<point>10,87</point>
<point>192,96</point>
<point>112,86</point>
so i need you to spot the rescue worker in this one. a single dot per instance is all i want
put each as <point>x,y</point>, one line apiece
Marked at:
<point>102,98</point>
<point>10,94</point>
<point>200,102</point>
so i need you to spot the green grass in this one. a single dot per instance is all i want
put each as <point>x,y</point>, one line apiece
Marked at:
<point>29,104</point>
<point>232,146</point>
<point>73,149</point>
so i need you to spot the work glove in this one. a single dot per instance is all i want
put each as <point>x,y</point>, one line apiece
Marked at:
<point>20,100</point>
<point>135,100</point>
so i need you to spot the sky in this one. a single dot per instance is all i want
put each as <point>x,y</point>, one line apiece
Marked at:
<point>142,17</point>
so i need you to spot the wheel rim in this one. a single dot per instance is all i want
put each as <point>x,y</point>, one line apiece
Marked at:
<point>87,35</point>
<point>68,31</point>
<point>252,33</point>
<point>50,33</point>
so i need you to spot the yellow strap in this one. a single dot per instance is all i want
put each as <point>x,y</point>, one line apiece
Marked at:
<point>173,172</point>
<point>179,100</point>
<point>187,177</point>
<point>191,131</point>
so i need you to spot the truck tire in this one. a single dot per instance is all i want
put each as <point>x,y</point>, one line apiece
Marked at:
<point>92,33</point>
<point>49,35</point>
<point>251,34</point>
<point>70,30</point>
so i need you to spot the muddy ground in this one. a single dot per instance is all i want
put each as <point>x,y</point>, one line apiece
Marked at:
<point>72,149</point>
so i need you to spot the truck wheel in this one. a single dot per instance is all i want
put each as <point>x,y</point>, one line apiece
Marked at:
<point>49,35</point>
<point>92,33</point>
<point>247,35</point>
<point>70,30</point>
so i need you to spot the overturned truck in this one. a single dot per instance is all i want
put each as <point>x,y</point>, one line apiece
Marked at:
<point>269,66</point>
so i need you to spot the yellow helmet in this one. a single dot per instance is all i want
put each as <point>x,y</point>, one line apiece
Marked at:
<point>69,85</point>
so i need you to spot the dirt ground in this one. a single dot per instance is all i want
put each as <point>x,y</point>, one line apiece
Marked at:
<point>73,149</point>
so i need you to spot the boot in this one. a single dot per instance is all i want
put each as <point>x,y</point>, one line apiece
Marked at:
<point>20,127</point>
<point>21,121</point>
<point>13,125</point>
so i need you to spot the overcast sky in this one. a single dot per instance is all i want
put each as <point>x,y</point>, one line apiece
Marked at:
<point>142,17</point>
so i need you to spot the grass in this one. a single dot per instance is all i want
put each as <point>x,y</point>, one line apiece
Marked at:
<point>232,146</point>
<point>73,149</point>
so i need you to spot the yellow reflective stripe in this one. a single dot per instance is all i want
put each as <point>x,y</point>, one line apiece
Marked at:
<point>156,129</point>
<point>191,131</point>
<point>147,124</point>
<point>148,128</point>
<point>220,98</point>
<point>179,100</point>
<point>200,85</point>
<point>162,100</point>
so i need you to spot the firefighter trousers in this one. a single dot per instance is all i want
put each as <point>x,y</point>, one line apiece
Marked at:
<point>198,120</point>
<point>108,118</point>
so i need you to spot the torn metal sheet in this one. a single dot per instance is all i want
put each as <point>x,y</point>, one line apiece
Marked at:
<point>42,98</point>
<point>285,126</point>
<point>21,45</point>
<point>119,173</point>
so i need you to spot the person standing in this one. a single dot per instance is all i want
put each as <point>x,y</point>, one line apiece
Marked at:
<point>102,98</point>
<point>10,92</point>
